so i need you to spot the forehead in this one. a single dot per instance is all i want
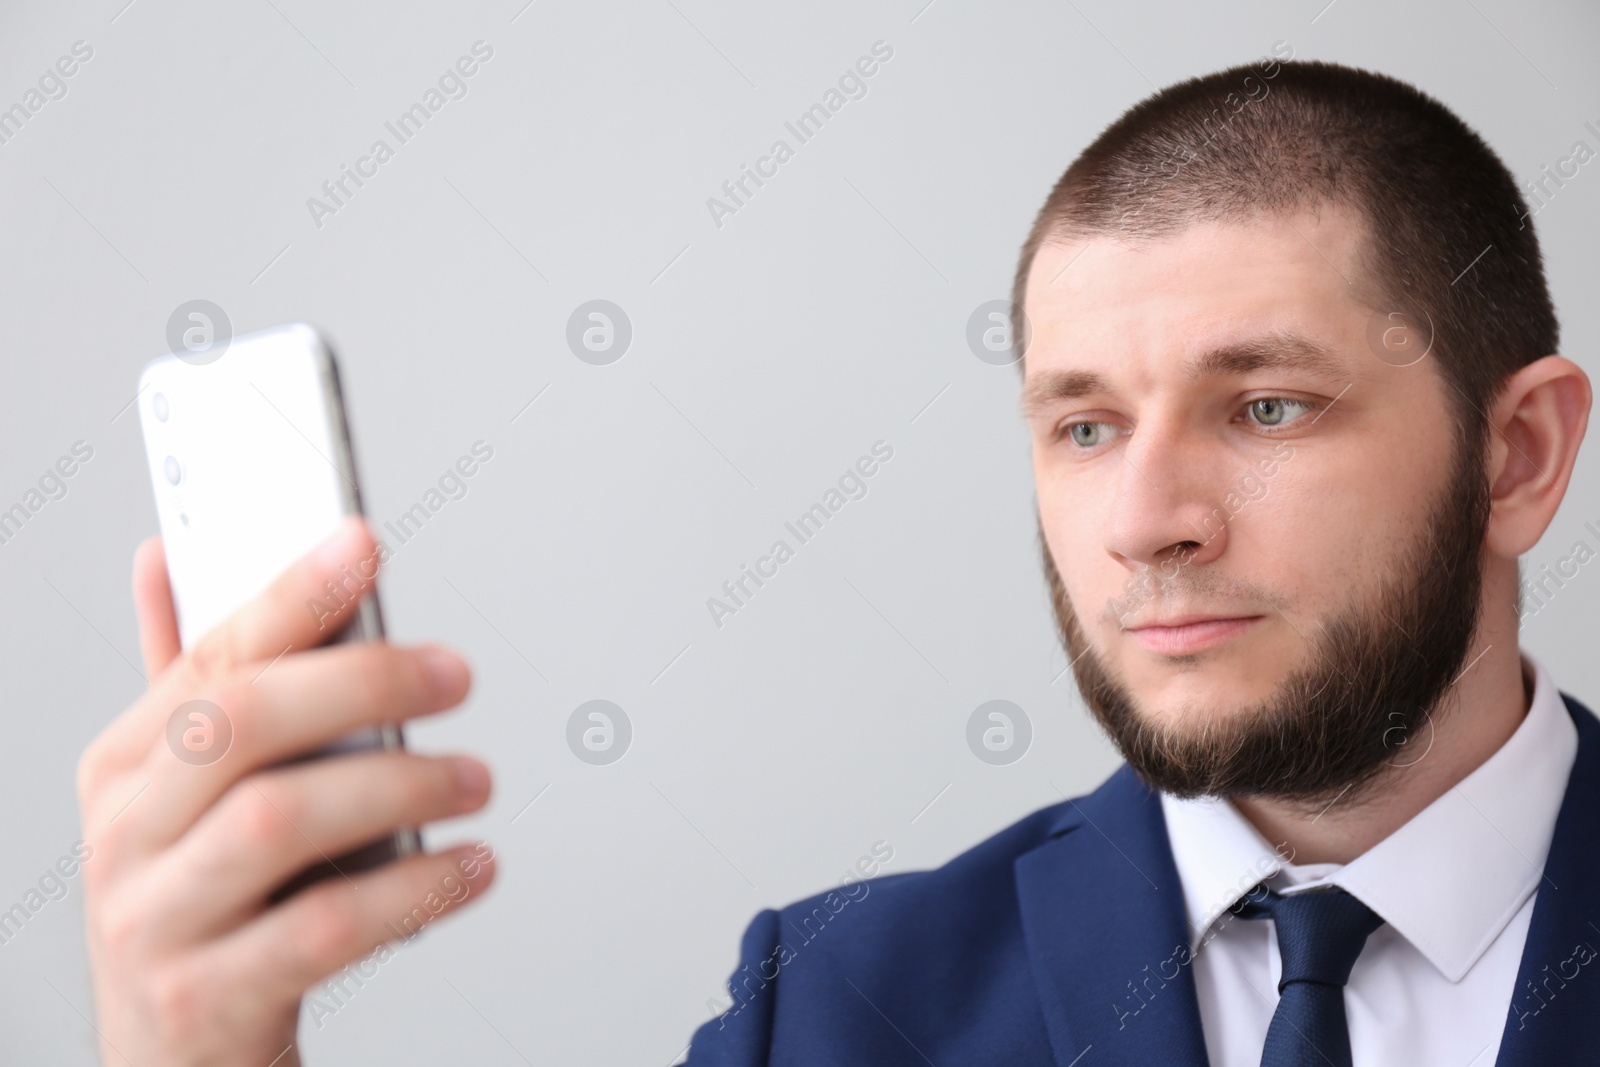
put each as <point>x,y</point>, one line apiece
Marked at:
<point>1157,303</point>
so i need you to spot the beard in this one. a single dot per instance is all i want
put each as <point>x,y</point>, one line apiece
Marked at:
<point>1363,705</point>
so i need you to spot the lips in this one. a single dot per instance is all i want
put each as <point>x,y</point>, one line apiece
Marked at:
<point>1189,620</point>
<point>1182,635</point>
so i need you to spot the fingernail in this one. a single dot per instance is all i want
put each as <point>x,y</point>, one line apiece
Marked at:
<point>472,777</point>
<point>341,544</point>
<point>445,670</point>
<point>475,862</point>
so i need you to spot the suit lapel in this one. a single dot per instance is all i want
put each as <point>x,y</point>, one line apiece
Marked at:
<point>1107,934</point>
<point>1555,1005</point>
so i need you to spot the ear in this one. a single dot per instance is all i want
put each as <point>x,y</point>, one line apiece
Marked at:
<point>1537,424</point>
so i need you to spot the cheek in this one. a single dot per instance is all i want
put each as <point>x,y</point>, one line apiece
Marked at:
<point>1065,527</point>
<point>1326,532</point>
<point>1074,510</point>
<point>1089,576</point>
<point>1071,500</point>
<point>1356,492</point>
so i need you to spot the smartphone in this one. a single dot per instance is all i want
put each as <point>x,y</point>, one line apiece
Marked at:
<point>249,454</point>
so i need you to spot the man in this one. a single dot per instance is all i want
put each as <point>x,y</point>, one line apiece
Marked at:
<point>1296,415</point>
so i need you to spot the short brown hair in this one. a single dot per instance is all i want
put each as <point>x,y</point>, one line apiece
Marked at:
<point>1449,240</point>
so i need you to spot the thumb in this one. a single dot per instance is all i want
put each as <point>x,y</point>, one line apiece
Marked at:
<point>152,600</point>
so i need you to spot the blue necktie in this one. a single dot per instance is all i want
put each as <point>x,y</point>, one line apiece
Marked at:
<point>1320,934</point>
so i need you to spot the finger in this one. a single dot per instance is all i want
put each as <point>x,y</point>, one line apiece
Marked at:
<point>152,601</point>
<point>314,598</point>
<point>314,933</point>
<point>126,741</point>
<point>300,705</point>
<point>296,610</point>
<point>274,825</point>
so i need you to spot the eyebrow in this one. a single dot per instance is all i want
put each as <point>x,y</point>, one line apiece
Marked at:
<point>1277,351</point>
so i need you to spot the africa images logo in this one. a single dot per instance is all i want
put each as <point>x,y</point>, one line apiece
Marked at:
<point>199,733</point>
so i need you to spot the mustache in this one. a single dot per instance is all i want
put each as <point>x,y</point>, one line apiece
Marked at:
<point>1147,593</point>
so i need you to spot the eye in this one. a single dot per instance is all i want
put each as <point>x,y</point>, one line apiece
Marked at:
<point>1278,410</point>
<point>1089,434</point>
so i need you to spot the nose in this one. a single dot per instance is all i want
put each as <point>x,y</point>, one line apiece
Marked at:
<point>1168,499</point>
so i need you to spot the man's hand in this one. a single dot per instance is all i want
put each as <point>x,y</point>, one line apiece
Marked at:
<point>192,965</point>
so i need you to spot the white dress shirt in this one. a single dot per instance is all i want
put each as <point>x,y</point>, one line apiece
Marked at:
<point>1455,885</point>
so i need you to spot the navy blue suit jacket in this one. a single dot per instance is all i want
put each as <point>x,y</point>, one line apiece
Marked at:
<point>1063,941</point>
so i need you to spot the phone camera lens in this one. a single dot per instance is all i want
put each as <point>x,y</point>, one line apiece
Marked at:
<point>174,470</point>
<point>158,404</point>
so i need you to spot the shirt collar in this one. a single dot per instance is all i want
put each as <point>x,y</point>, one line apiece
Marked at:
<point>1448,881</point>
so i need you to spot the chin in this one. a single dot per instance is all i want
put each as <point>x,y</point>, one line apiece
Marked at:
<point>1213,689</point>
<point>1188,714</point>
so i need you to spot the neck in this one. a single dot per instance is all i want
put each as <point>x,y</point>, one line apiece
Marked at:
<point>1477,716</point>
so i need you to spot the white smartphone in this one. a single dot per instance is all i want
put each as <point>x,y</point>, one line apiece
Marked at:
<point>250,457</point>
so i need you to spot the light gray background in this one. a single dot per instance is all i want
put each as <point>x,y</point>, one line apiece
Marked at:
<point>768,355</point>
